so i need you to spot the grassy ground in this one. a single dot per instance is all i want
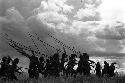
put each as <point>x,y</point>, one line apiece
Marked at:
<point>79,79</point>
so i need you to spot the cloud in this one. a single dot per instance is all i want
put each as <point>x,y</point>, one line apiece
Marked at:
<point>16,27</point>
<point>52,17</point>
<point>112,10</point>
<point>79,27</point>
<point>85,31</point>
<point>49,6</point>
<point>112,31</point>
<point>14,15</point>
<point>36,25</point>
<point>99,35</point>
<point>87,14</point>
<point>13,23</point>
<point>57,6</point>
<point>95,3</point>
<point>54,12</point>
<point>111,45</point>
<point>25,7</point>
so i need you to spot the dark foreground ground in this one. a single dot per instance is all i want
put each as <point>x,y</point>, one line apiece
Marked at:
<point>79,79</point>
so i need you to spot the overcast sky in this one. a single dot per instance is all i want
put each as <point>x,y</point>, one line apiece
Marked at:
<point>95,25</point>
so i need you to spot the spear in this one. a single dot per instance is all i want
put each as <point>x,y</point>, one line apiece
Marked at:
<point>47,43</point>
<point>34,43</point>
<point>17,46</point>
<point>43,44</point>
<point>16,43</point>
<point>63,44</point>
<point>20,50</point>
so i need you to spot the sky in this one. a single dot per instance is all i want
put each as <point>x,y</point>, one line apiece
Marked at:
<point>88,25</point>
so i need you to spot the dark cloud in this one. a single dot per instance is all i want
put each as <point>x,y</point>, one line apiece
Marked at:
<point>17,19</point>
<point>110,45</point>
<point>13,24</point>
<point>25,7</point>
<point>115,31</point>
<point>17,28</point>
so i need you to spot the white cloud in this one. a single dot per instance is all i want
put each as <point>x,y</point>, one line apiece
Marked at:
<point>67,9</point>
<point>89,5</point>
<point>54,12</point>
<point>88,27</point>
<point>62,27</point>
<point>112,10</point>
<point>87,12</point>
<point>57,6</point>
<point>50,6</point>
<point>52,17</point>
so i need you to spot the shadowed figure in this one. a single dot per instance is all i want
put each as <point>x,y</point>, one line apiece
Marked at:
<point>80,68</point>
<point>8,70</point>
<point>70,65</point>
<point>5,64</point>
<point>13,69</point>
<point>33,67</point>
<point>41,65</point>
<point>98,69</point>
<point>55,65</point>
<point>112,69</point>
<point>63,60</point>
<point>105,70</point>
<point>47,68</point>
<point>84,65</point>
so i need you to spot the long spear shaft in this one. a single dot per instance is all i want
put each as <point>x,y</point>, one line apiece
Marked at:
<point>17,46</point>
<point>17,43</point>
<point>61,43</point>
<point>46,43</point>
<point>34,43</point>
<point>44,46</point>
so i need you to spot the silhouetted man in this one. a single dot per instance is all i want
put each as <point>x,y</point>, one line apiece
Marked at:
<point>105,70</point>
<point>112,69</point>
<point>13,69</point>
<point>55,65</point>
<point>33,67</point>
<point>70,65</point>
<point>41,65</point>
<point>85,64</point>
<point>63,60</point>
<point>5,65</point>
<point>98,69</point>
<point>47,70</point>
<point>80,68</point>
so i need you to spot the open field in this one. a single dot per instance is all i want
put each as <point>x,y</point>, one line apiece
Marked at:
<point>78,79</point>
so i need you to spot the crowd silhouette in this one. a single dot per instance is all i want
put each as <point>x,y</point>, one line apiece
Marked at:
<point>8,68</point>
<point>52,66</point>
